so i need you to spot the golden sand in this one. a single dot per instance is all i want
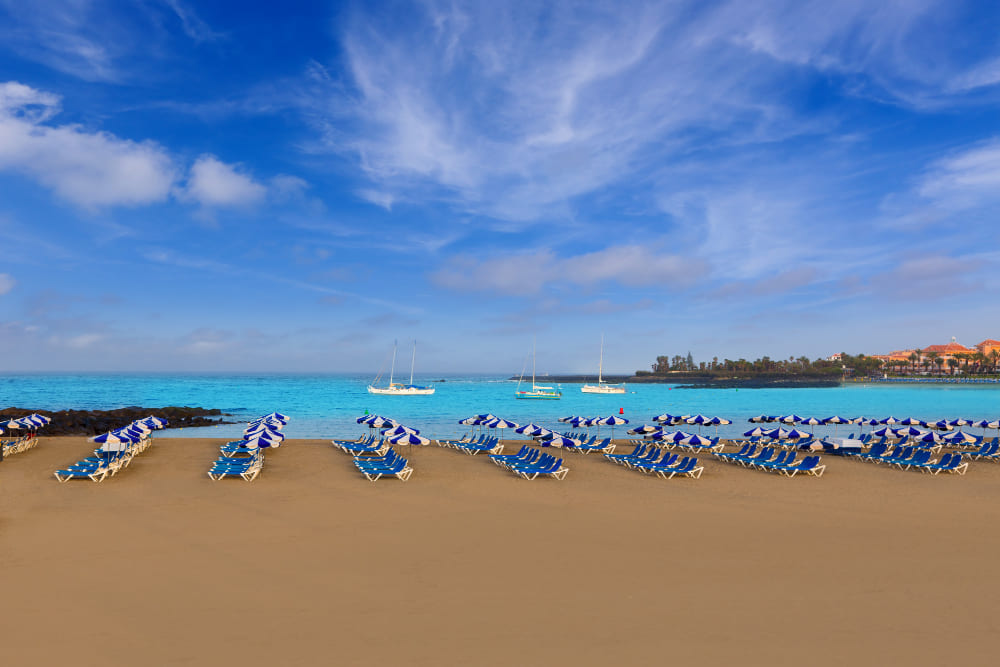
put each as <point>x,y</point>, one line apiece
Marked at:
<point>466,564</point>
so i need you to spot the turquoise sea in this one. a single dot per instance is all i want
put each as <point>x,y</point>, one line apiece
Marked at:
<point>325,406</point>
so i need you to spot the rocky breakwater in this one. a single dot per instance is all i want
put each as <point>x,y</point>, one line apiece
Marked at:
<point>94,422</point>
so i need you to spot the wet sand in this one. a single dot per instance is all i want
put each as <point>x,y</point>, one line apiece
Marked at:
<point>466,564</point>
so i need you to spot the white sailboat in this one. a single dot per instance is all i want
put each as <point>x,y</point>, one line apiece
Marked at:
<point>396,388</point>
<point>537,390</point>
<point>602,387</point>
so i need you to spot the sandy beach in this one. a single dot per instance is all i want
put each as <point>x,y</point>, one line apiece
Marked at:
<point>466,564</point>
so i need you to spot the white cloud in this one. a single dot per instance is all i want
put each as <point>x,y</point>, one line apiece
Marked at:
<point>215,183</point>
<point>965,179</point>
<point>86,168</point>
<point>6,283</point>
<point>530,273</point>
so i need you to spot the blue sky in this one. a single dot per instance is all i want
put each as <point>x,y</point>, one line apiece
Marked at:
<point>233,186</point>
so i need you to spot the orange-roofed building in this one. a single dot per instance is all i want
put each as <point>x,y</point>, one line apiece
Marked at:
<point>948,350</point>
<point>988,345</point>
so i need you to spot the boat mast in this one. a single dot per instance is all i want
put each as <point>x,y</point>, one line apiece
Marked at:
<point>393,369</point>
<point>413,360</point>
<point>600,364</point>
<point>533,364</point>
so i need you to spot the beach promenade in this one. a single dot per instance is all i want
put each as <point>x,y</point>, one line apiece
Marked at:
<point>468,565</point>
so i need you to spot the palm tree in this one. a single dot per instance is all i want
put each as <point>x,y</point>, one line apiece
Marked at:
<point>952,364</point>
<point>980,360</point>
<point>932,358</point>
<point>995,358</point>
<point>914,358</point>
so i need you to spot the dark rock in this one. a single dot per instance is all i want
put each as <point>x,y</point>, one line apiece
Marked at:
<point>94,422</point>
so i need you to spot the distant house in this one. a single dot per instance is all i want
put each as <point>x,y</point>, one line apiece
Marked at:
<point>835,357</point>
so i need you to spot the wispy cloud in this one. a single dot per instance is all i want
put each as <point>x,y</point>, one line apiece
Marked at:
<point>531,273</point>
<point>7,283</point>
<point>512,113</point>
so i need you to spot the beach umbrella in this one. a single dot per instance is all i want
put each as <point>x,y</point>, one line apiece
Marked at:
<point>409,439</point>
<point>363,419</point>
<point>960,422</point>
<point>759,419</point>
<point>566,420</point>
<point>485,417</point>
<point>717,421</point>
<point>269,438</point>
<point>501,423</point>
<point>696,440</point>
<point>942,425</point>
<point>399,429</point>
<point>664,418</point>
<point>985,424</point>
<point>777,433</point>
<point>612,421</point>
<point>560,441</point>
<point>909,431</point>
<point>755,432</point>
<point>929,436</point>
<point>959,438</point>
<point>790,419</point>
<point>796,434</point>
<point>251,431</point>
<point>811,421</point>
<point>529,429</point>
<point>910,421</point>
<point>643,430</point>
<point>888,421</point>
<point>672,436</point>
<point>543,433</point>
<point>696,419</point>
<point>156,422</point>
<point>885,432</point>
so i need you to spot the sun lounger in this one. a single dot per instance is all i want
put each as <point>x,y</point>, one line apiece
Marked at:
<point>950,463</point>
<point>688,467</point>
<point>374,468</point>
<point>547,465</point>
<point>810,465</point>
<point>669,460</point>
<point>639,450</point>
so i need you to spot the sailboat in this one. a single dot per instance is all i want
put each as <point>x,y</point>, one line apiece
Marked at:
<point>396,388</point>
<point>602,387</point>
<point>537,390</point>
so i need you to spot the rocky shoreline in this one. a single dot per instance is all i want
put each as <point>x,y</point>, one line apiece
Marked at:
<point>94,422</point>
<point>693,381</point>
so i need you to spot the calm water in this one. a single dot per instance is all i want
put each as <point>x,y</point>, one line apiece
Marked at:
<point>323,406</point>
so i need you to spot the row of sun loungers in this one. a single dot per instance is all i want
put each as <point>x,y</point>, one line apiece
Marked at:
<point>365,445</point>
<point>237,460</point>
<point>376,467</point>
<point>531,463</point>
<point>244,458</point>
<point>18,445</point>
<point>770,460</point>
<point>103,463</point>
<point>988,451</point>
<point>652,460</point>
<point>485,443</point>
<point>914,458</point>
